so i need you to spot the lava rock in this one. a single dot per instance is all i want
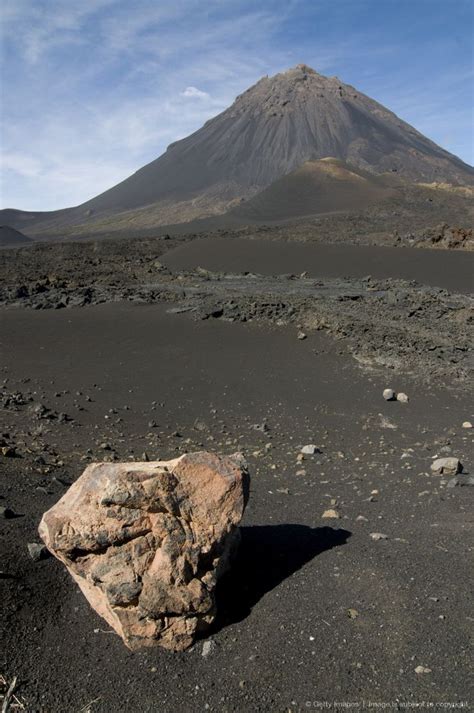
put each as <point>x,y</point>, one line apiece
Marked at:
<point>147,542</point>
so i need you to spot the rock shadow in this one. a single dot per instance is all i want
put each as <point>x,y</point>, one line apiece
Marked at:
<point>267,555</point>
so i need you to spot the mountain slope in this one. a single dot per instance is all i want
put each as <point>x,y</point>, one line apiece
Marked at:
<point>9,237</point>
<point>269,131</point>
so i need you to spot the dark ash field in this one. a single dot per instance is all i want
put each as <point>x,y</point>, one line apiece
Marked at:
<point>145,349</point>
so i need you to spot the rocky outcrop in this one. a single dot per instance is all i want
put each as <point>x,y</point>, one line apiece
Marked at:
<point>146,542</point>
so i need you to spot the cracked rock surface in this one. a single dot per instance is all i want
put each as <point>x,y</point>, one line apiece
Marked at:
<point>146,542</point>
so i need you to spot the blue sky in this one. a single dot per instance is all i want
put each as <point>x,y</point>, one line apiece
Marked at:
<point>94,89</point>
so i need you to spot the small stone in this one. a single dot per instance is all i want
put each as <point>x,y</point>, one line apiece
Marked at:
<point>37,551</point>
<point>301,335</point>
<point>352,613</point>
<point>361,518</point>
<point>467,424</point>
<point>331,513</point>
<point>310,450</point>
<point>403,398</point>
<point>461,480</point>
<point>378,536</point>
<point>422,669</point>
<point>8,451</point>
<point>389,395</point>
<point>446,466</point>
<point>263,427</point>
<point>208,647</point>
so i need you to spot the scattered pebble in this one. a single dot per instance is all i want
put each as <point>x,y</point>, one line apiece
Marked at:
<point>263,427</point>
<point>422,669</point>
<point>37,551</point>
<point>301,335</point>
<point>8,451</point>
<point>461,480</point>
<point>403,398</point>
<point>467,424</point>
<point>446,466</point>
<point>378,536</point>
<point>331,513</point>
<point>208,647</point>
<point>389,395</point>
<point>310,450</point>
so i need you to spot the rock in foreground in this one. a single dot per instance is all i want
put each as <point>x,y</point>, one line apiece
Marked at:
<point>146,542</point>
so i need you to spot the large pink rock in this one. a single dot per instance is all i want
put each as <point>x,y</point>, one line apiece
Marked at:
<point>146,542</point>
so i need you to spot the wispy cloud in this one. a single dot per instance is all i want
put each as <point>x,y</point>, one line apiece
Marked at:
<point>194,93</point>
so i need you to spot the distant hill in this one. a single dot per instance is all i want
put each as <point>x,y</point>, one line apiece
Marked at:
<point>9,237</point>
<point>316,187</point>
<point>270,130</point>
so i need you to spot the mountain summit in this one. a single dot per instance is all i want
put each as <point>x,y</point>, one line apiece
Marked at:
<point>269,131</point>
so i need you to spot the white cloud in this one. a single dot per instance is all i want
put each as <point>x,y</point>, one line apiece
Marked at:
<point>194,93</point>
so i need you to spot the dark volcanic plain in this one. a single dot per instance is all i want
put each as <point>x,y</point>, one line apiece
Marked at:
<point>128,350</point>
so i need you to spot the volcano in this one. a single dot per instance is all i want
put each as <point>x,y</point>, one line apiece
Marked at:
<point>270,131</point>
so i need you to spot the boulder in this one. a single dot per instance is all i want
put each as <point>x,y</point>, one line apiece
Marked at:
<point>146,542</point>
<point>446,466</point>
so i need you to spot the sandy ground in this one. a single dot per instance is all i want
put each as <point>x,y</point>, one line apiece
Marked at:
<point>315,611</point>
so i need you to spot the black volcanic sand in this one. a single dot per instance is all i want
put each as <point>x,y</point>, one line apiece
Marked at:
<point>452,271</point>
<point>315,610</point>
